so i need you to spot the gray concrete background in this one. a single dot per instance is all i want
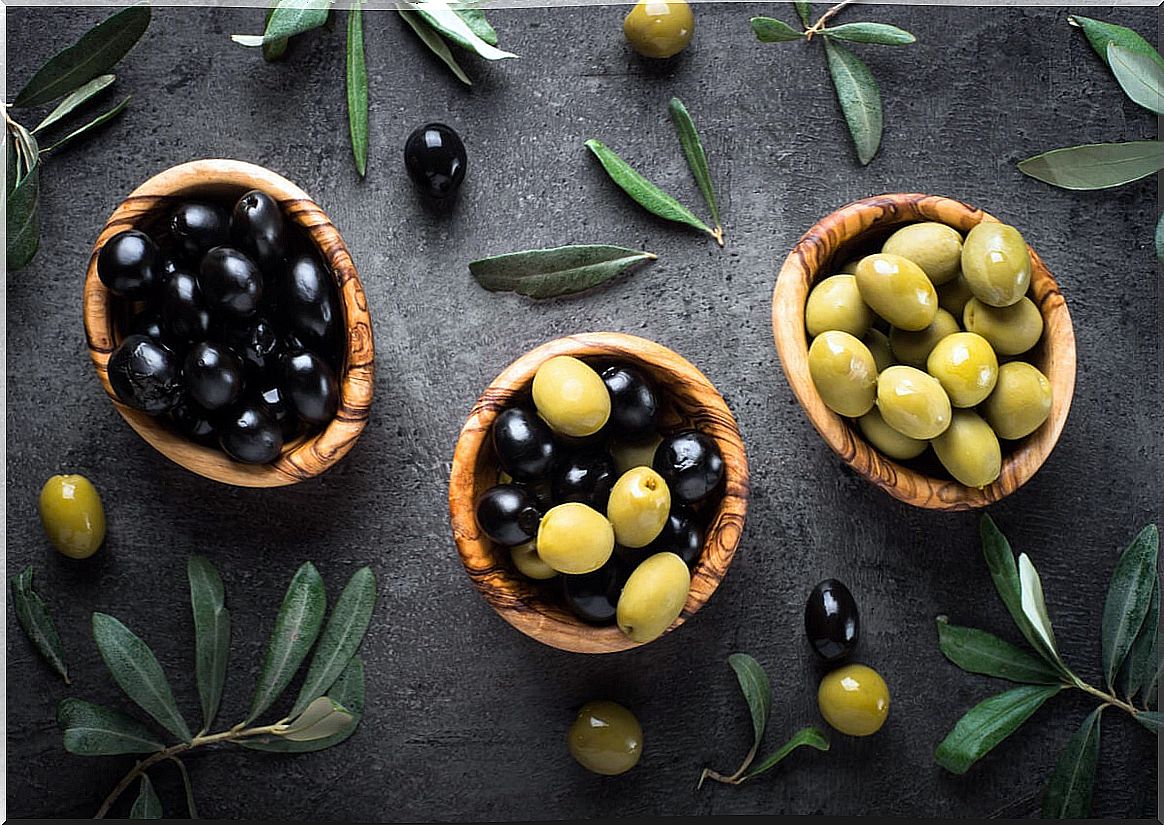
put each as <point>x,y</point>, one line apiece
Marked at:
<point>466,717</point>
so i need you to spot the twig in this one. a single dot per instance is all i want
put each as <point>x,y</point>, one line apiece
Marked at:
<point>824,18</point>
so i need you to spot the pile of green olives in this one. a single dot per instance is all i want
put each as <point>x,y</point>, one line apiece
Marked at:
<point>920,344</point>
<point>233,327</point>
<point>592,494</point>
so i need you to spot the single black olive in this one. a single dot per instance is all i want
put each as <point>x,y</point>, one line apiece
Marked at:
<point>279,407</point>
<point>523,443</point>
<point>435,158</point>
<point>831,621</point>
<point>250,434</point>
<point>585,476</point>
<point>145,374</point>
<point>257,228</point>
<point>634,408</point>
<point>310,385</point>
<point>691,465</point>
<point>147,323</point>
<point>307,300</point>
<point>681,535</point>
<point>593,597</point>
<point>185,317</point>
<point>214,375</point>
<point>127,264</point>
<point>540,491</point>
<point>192,421</point>
<point>507,514</point>
<point>231,283</point>
<point>258,345</point>
<point>197,227</point>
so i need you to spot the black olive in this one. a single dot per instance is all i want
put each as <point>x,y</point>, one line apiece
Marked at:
<point>310,385</point>
<point>185,317</point>
<point>681,535</point>
<point>250,434</point>
<point>231,283</point>
<point>127,264</point>
<point>257,228</point>
<point>435,158</point>
<point>634,409</point>
<point>593,597</point>
<point>523,443</point>
<point>258,345</point>
<point>507,514</point>
<point>197,227</point>
<point>691,465</point>
<point>147,323</point>
<point>307,300</point>
<point>831,621</point>
<point>145,374</point>
<point>192,421</point>
<point>540,492</point>
<point>279,407</point>
<point>214,375</point>
<point>585,476</point>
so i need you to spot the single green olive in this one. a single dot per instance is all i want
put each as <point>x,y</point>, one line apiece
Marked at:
<point>914,348</point>
<point>638,508</point>
<point>605,738</point>
<point>953,295</point>
<point>574,539</point>
<point>969,450</point>
<point>835,303</point>
<point>854,700</point>
<point>966,367</point>
<point>659,28</point>
<point>628,455</point>
<point>887,440</point>
<point>898,290</point>
<point>996,264</point>
<point>653,597</point>
<point>912,402</point>
<point>571,397</point>
<point>1010,330</point>
<point>849,267</point>
<point>529,563</point>
<point>1021,401</point>
<point>72,515</point>
<point>844,372</point>
<point>935,247</point>
<point>878,344</point>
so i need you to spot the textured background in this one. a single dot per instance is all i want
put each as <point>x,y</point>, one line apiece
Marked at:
<point>466,717</point>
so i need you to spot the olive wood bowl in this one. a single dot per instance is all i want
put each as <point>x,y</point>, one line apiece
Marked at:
<point>687,399</point>
<point>859,228</point>
<point>306,456</point>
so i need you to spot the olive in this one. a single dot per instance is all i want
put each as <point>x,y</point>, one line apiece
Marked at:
<point>843,372</point>
<point>185,317</point>
<point>854,700</point>
<point>630,454</point>
<point>571,397</point>
<point>935,247</point>
<point>888,440</point>
<point>653,597</point>
<point>1010,330</point>
<point>192,421</point>
<point>835,303</point>
<point>257,228</point>
<point>506,514</point>
<point>145,374</point>
<point>898,290</point>
<point>585,476</point>
<point>258,345</point>
<point>914,348</point>
<point>231,283</point>
<point>690,464</point>
<point>214,375</point>
<point>435,159</point>
<point>877,343</point>
<point>681,535</point>
<point>1020,403</point>
<point>659,28</point>
<point>593,597</point>
<point>575,539</point>
<point>147,323</point>
<point>528,562</point>
<point>849,267</point>
<point>639,504</point>
<point>969,449</point>
<point>251,434</point>
<point>310,385</point>
<point>634,408</point>
<point>127,264</point>
<point>996,263</point>
<point>198,227</point>
<point>831,621</point>
<point>912,402</point>
<point>277,404</point>
<point>966,366</point>
<point>523,443</point>
<point>605,738</point>
<point>307,300</point>
<point>953,295</point>
<point>72,515</point>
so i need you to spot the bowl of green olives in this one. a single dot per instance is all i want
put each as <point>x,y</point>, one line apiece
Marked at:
<point>598,492</point>
<point>228,325</point>
<point>929,345</point>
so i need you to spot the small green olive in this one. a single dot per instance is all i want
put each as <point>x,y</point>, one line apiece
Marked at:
<point>571,397</point>
<point>628,455</point>
<point>854,700</point>
<point>844,372</point>
<point>935,247</point>
<point>996,264</point>
<point>966,367</point>
<point>653,597</point>
<point>605,738</point>
<point>1010,330</point>
<point>953,295</point>
<point>969,449</point>
<point>878,344</point>
<point>1021,401</point>
<point>898,290</point>
<point>659,28</point>
<point>887,440</point>
<point>574,539</point>
<point>912,402</point>
<point>835,303</point>
<point>529,563</point>
<point>72,515</point>
<point>638,508</point>
<point>914,348</point>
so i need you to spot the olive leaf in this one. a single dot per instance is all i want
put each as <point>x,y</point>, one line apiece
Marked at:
<point>771,30</point>
<point>441,17</point>
<point>1160,238</point>
<point>287,19</point>
<point>1141,77</point>
<point>93,730</point>
<point>78,98</point>
<point>1143,657</point>
<point>1096,165</point>
<point>357,88</point>
<point>805,737</point>
<point>1153,720</point>
<point>37,623</point>
<point>275,49</point>
<point>988,723</point>
<point>348,691</point>
<point>436,44</point>
<point>1068,794</point>
<point>211,634</point>
<point>696,159</point>
<point>22,212</point>
<point>1034,605</point>
<point>804,12</point>
<point>977,651</point>
<point>322,719</point>
<point>1128,598</point>
<point>549,273</point>
<point>859,97</point>
<point>475,19</point>
<point>187,786</point>
<point>147,805</point>
<point>95,123</point>
<point>1100,34</point>
<point>757,692</point>
<point>881,34</point>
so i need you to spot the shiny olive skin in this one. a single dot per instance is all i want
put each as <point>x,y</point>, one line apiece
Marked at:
<point>966,367</point>
<point>898,290</point>
<point>231,283</point>
<point>250,434</point>
<point>630,454</point>
<point>307,300</point>
<point>1020,403</point>
<point>128,264</point>
<point>659,28</point>
<point>258,229</point>
<point>605,738</point>
<point>912,402</point>
<point>969,450</point>
<point>575,539</point>
<point>835,303</point>
<point>843,372</point>
<point>435,158</point>
<point>584,476</point>
<point>691,465</point>
<point>935,247</point>
<point>310,385</point>
<point>214,375</point>
<point>887,440</point>
<point>634,407</point>
<point>653,597</point>
<point>571,397</point>
<point>639,504</point>
<point>854,700</point>
<point>185,317</point>
<point>878,344</point>
<point>198,227</point>
<point>192,421</point>
<point>278,405</point>
<point>146,374</point>
<point>953,296</point>
<point>593,597</point>
<point>996,264</point>
<point>529,564</point>
<point>72,515</point>
<point>149,324</point>
<point>1010,330</point>
<point>681,535</point>
<point>523,443</point>
<point>831,621</point>
<point>258,345</point>
<point>507,514</point>
<point>913,348</point>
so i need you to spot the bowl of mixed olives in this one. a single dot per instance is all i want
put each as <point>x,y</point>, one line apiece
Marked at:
<point>929,345</point>
<point>598,492</point>
<point>228,325</point>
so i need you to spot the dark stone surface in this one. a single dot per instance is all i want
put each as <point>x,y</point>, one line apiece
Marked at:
<point>466,717</point>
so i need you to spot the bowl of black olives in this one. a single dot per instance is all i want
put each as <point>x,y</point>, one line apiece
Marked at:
<point>228,325</point>
<point>598,492</point>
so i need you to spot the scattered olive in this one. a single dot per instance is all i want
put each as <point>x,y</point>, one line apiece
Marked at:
<point>506,513</point>
<point>127,264</point>
<point>854,700</point>
<point>523,443</point>
<point>659,28</point>
<point>574,538</point>
<point>690,464</point>
<point>831,621</point>
<point>214,375</point>
<point>571,397</point>
<point>257,228</point>
<point>529,563</point>
<point>72,515</point>
<point>251,434</point>
<point>639,505</point>
<point>231,283</point>
<point>585,476</point>
<point>310,385</point>
<point>634,409</point>
<point>435,158</point>
<point>145,374</point>
<point>198,227</point>
<point>605,738</point>
<point>653,597</point>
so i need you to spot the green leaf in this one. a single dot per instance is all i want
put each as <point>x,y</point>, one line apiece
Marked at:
<point>1096,165</point>
<point>441,17</point>
<point>1153,720</point>
<point>357,88</point>
<point>187,786</point>
<point>435,43</point>
<point>287,19</point>
<point>696,158</point>
<point>136,670</point>
<point>860,99</point>
<point>1144,655</point>
<point>1140,76</point>
<point>296,628</point>
<point>1100,34</point>
<point>93,730</point>
<point>757,692</point>
<point>322,719</point>
<point>147,805</point>
<point>771,30</point>
<point>810,736</point>
<point>1149,690</point>
<point>475,19</point>
<point>95,123</point>
<point>13,170</point>
<point>348,691</point>
<point>1068,794</point>
<point>90,90</point>
<point>1160,238</point>
<point>880,34</point>
<point>211,634</point>
<point>977,651</point>
<point>36,622</point>
<point>549,273</point>
<point>98,51</point>
<point>804,12</point>
<point>988,723</point>
<point>22,213</point>
<point>1128,598</point>
<point>1034,605</point>
<point>276,48</point>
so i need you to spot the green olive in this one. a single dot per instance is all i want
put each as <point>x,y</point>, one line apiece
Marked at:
<point>935,247</point>
<point>574,539</point>
<point>571,397</point>
<point>605,738</point>
<point>878,344</point>
<point>966,366</point>
<point>529,563</point>
<point>628,455</point>
<point>912,402</point>
<point>953,295</point>
<point>897,290</point>
<point>72,515</point>
<point>914,348</point>
<point>638,508</point>
<point>854,699</point>
<point>653,597</point>
<point>1010,330</point>
<point>659,28</point>
<point>849,267</point>
<point>1021,401</point>
<point>844,372</point>
<point>996,264</point>
<point>969,449</point>
<point>888,440</point>
<point>835,303</point>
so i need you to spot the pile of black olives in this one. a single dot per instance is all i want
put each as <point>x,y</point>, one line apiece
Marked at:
<point>233,326</point>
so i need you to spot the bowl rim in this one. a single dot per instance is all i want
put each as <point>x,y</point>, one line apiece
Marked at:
<point>306,457</point>
<point>517,600</point>
<point>807,263</point>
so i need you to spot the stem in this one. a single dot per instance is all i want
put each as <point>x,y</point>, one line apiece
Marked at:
<point>824,18</point>
<point>717,233</point>
<point>1106,698</point>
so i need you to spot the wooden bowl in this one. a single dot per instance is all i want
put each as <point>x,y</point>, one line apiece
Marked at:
<point>302,458</point>
<point>687,399</point>
<point>859,228</point>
